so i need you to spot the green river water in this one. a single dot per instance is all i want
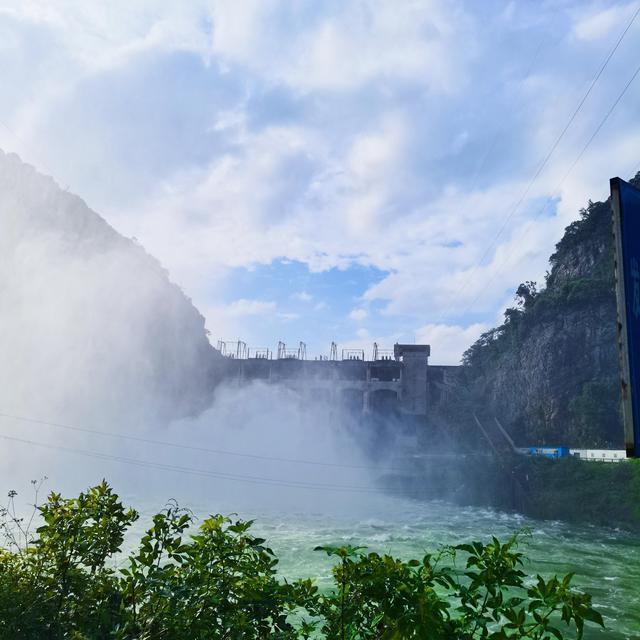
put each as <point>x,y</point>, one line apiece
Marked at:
<point>606,561</point>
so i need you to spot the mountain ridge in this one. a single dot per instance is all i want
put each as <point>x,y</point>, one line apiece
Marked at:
<point>550,371</point>
<point>85,303</point>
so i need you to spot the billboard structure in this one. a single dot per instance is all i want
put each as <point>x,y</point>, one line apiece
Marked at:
<point>625,202</point>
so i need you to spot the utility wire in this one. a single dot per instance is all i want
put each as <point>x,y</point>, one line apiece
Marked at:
<point>177,445</point>
<point>559,185</point>
<point>149,464</point>
<point>543,163</point>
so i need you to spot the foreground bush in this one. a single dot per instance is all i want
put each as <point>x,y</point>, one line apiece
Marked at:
<point>220,581</point>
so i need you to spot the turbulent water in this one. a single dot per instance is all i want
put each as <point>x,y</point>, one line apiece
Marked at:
<point>606,561</point>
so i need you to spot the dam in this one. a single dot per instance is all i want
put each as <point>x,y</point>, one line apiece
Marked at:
<point>398,381</point>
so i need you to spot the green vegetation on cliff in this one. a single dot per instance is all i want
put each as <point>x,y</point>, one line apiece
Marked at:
<point>220,581</point>
<point>550,371</point>
<point>577,491</point>
<point>568,489</point>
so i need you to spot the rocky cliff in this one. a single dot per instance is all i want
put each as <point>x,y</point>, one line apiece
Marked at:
<point>92,328</point>
<point>550,372</point>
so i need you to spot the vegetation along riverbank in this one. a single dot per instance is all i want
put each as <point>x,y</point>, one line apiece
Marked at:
<point>218,580</point>
<point>606,494</point>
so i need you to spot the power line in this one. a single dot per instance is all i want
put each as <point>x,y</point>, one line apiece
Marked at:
<point>275,482</point>
<point>559,185</point>
<point>178,445</point>
<point>543,163</point>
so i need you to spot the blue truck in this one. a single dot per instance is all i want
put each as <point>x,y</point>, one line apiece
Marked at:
<point>549,452</point>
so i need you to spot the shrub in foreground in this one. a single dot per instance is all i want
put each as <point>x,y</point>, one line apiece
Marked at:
<point>68,579</point>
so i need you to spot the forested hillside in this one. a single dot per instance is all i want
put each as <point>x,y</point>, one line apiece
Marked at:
<point>93,329</point>
<point>550,371</point>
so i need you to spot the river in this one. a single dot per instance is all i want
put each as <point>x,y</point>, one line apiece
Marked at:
<point>295,519</point>
<point>606,561</point>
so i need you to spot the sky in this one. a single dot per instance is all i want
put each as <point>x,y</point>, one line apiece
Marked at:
<point>348,171</point>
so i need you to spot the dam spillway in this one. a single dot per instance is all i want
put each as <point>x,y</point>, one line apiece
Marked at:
<point>399,381</point>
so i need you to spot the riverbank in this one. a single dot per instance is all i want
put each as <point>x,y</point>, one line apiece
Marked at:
<point>606,562</point>
<point>603,494</point>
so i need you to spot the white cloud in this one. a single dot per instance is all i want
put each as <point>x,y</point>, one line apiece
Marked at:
<point>448,342</point>
<point>237,210</point>
<point>303,296</point>
<point>99,36</point>
<point>243,307</point>
<point>599,24</point>
<point>288,316</point>
<point>234,318</point>
<point>358,314</point>
<point>347,44</point>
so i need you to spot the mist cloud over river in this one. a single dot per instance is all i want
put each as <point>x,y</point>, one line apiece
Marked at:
<point>97,338</point>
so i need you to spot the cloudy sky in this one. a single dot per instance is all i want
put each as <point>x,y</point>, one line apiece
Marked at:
<point>317,171</point>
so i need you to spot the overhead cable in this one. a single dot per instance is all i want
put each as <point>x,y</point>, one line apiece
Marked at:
<point>559,185</point>
<point>150,464</point>
<point>544,162</point>
<point>224,452</point>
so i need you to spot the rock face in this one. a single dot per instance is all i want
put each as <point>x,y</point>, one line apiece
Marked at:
<point>92,328</point>
<point>550,372</point>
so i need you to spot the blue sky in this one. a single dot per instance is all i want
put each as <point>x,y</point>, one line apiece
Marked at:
<point>345,171</point>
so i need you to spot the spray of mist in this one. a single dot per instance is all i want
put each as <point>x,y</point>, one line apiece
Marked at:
<point>97,337</point>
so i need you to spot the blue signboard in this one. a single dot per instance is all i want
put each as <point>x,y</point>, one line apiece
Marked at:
<point>625,202</point>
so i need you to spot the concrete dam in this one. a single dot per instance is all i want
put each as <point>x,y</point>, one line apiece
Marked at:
<point>398,381</point>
